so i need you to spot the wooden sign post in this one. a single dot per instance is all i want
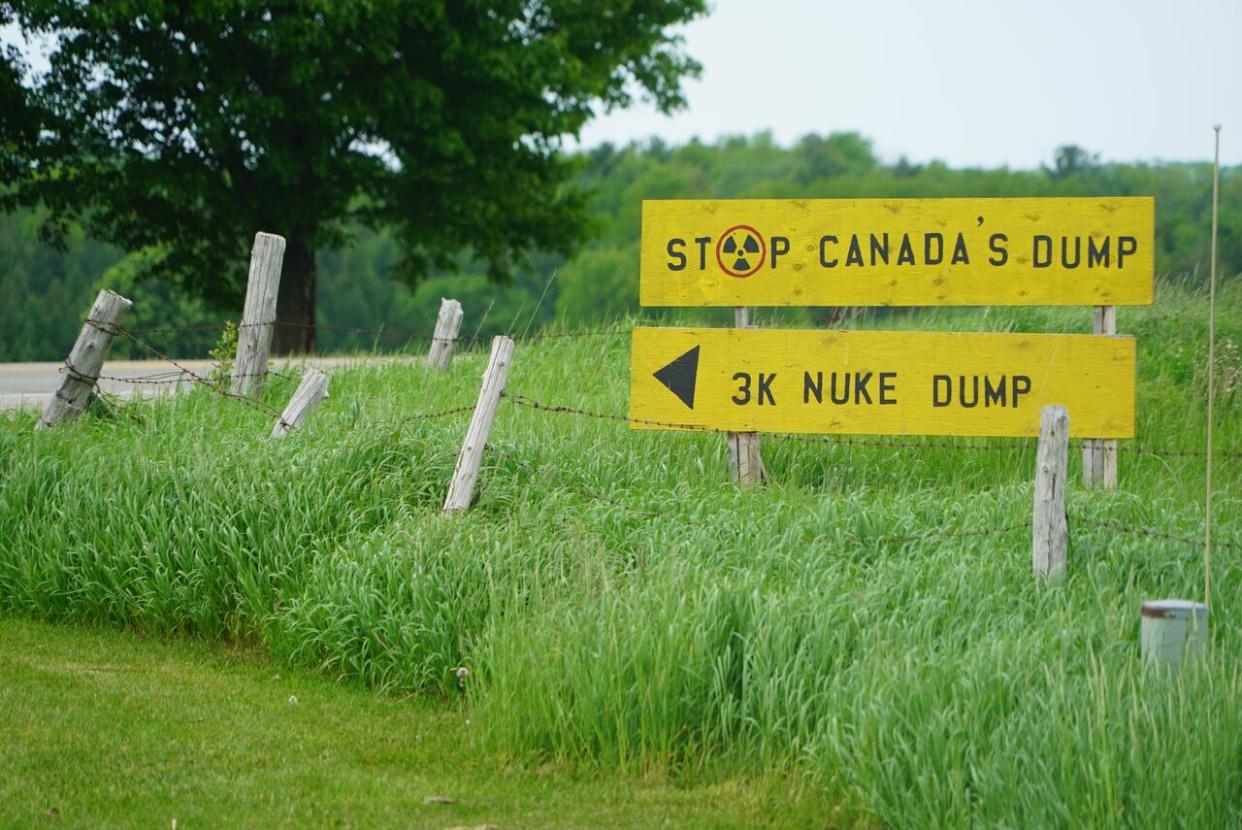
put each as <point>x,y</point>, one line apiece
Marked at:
<point>745,462</point>
<point>1099,455</point>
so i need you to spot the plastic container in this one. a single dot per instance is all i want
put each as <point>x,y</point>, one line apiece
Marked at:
<point>1173,631</point>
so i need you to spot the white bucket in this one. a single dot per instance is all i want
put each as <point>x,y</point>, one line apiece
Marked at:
<point>1173,630</point>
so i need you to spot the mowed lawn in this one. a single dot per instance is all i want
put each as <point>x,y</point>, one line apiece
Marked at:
<point>106,729</point>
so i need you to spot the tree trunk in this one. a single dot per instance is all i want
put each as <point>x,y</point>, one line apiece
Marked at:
<point>295,304</point>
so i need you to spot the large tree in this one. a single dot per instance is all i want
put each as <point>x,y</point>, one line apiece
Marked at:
<point>184,126</point>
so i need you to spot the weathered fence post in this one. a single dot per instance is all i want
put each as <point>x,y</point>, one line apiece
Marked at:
<point>1050,534</point>
<point>1099,455</point>
<point>448,324</point>
<point>745,462</point>
<point>312,390</point>
<point>86,359</point>
<point>254,335</point>
<point>467,471</point>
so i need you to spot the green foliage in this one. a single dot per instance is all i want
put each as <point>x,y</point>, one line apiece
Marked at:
<point>224,353</point>
<point>189,126</point>
<point>618,605</point>
<point>290,750</point>
<point>46,291</point>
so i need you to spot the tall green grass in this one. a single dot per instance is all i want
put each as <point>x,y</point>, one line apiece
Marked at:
<point>617,604</point>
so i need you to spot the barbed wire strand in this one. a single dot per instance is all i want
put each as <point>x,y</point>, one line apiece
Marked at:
<point>253,403</point>
<point>1148,533</point>
<point>1019,444</point>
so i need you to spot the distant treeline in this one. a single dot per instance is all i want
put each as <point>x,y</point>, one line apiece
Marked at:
<point>44,292</point>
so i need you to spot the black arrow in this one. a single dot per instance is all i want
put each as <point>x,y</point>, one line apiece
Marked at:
<point>680,376</point>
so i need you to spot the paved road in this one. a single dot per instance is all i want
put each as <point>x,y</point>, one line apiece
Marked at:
<point>31,384</point>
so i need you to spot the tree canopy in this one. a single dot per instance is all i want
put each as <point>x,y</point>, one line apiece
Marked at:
<point>182,128</point>
<point>43,293</point>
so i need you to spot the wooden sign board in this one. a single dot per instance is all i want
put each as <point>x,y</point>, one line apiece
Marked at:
<point>879,383</point>
<point>898,252</point>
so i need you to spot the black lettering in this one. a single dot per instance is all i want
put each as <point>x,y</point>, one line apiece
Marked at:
<point>1065,257</point>
<point>1124,249</point>
<point>879,251</point>
<point>854,255</point>
<point>1097,256</point>
<point>765,388</point>
<point>974,401</point>
<point>939,382</point>
<point>702,242</point>
<point>678,262</point>
<point>928,257</point>
<point>860,387</point>
<point>1002,253</point>
<point>887,386</point>
<point>743,391</point>
<point>1021,386</point>
<point>815,387</point>
<point>780,247</point>
<point>823,254</point>
<point>845,389</point>
<point>1046,259</point>
<point>993,396</point>
<point>960,257</point>
<point>905,256</point>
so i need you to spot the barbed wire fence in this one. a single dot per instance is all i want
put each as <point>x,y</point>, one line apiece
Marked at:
<point>181,375</point>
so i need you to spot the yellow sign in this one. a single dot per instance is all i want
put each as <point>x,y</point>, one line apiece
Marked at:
<point>879,383</point>
<point>898,252</point>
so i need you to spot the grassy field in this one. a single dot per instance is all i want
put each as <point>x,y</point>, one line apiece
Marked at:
<point>109,729</point>
<point>622,611</point>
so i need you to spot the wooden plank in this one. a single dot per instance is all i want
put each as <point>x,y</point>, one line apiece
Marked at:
<point>898,252</point>
<point>461,489</point>
<point>312,390</point>
<point>1099,455</point>
<point>85,359</point>
<point>254,335</point>
<point>745,462</point>
<point>448,324</point>
<point>879,383</point>
<point>1050,533</point>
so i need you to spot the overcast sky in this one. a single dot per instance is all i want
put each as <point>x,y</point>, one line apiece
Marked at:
<point>970,82</point>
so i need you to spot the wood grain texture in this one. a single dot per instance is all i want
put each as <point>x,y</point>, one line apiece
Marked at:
<point>85,359</point>
<point>448,324</point>
<point>1050,527</point>
<point>310,392</point>
<point>466,473</point>
<point>254,337</point>
<point>757,381</point>
<point>1099,455</point>
<point>794,272</point>
<point>745,461</point>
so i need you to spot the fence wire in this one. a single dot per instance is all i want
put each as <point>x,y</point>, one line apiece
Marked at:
<point>1018,444</point>
<point>1148,533</point>
<point>182,373</point>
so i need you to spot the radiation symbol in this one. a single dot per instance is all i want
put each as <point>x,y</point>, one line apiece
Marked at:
<point>740,251</point>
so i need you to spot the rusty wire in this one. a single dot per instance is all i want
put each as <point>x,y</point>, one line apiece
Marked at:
<point>1148,533</point>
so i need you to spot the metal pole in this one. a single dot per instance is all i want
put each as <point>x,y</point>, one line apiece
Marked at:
<point>1211,390</point>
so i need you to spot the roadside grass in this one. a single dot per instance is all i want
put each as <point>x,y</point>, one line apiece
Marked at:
<point>621,608</point>
<point>103,728</point>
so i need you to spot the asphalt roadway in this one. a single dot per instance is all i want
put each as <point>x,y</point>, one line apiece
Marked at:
<point>29,385</point>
